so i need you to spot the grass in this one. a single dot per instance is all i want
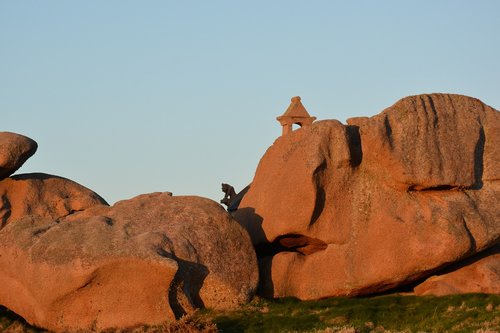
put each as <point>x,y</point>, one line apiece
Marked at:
<point>395,313</point>
<point>388,313</point>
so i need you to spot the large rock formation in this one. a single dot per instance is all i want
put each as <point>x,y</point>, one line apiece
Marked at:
<point>70,262</point>
<point>361,208</point>
<point>141,261</point>
<point>15,149</point>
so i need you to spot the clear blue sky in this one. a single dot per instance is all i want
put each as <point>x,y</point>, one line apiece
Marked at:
<point>129,97</point>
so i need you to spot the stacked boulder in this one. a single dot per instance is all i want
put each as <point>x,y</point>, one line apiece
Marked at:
<point>379,203</point>
<point>69,261</point>
<point>15,149</point>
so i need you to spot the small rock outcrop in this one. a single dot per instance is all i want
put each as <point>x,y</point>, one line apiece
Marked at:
<point>381,202</point>
<point>44,196</point>
<point>475,275</point>
<point>15,149</point>
<point>141,261</point>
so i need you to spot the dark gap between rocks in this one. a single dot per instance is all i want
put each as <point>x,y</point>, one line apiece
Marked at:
<point>415,188</point>
<point>290,243</point>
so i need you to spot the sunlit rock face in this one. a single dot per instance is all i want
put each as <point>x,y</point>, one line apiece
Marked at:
<point>15,149</point>
<point>477,274</point>
<point>145,260</point>
<point>70,262</point>
<point>44,196</point>
<point>361,208</point>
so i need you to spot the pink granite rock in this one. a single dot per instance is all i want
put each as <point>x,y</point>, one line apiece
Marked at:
<point>15,149</point>
<point>478,275</point>
<point>362,208</point>
<point>142,261</point>
<point>44,196</point>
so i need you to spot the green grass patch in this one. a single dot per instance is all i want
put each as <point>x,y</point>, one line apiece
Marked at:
<point>456,313</point>
<point>388,313</point>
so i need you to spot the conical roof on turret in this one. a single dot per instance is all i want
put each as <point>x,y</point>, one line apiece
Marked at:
<point>295,110</point>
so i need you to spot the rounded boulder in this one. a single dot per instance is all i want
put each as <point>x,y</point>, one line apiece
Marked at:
<point>141,261</point>
<point>15,149</point>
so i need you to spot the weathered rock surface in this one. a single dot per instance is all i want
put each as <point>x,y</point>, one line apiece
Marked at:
<point>15,149</point>
<point>480,275</point>
<point>430,141</point>
<point>365,207</point>
<point>43,195</point>
<point>141,261</point>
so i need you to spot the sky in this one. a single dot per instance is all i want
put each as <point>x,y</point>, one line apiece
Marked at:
<point>131,97</point>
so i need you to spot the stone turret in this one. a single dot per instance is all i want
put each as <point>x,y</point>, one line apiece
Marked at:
<point>295,114</point>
